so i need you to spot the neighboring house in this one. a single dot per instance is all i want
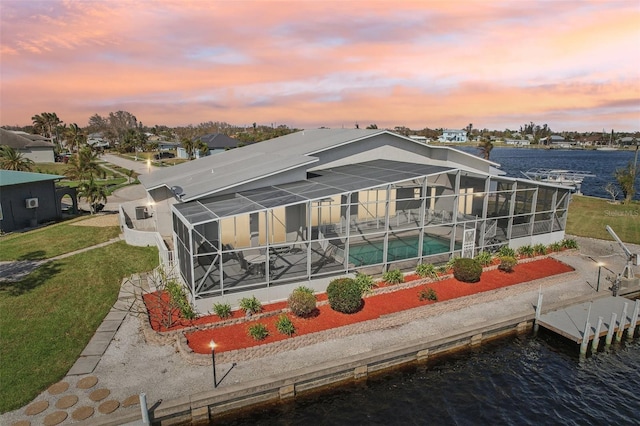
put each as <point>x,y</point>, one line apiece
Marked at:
<point>305,207</point>
<point>217,142</point>
<point>27,199</point>
<point>34,147</point>
<point>418,138</point>
<point>453,135</point>
<point>97,141</point>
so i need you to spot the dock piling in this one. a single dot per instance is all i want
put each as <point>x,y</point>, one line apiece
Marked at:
<point>634,320</point>
<point>596,337</point>
<point>536,326</point>
<point>612,327</point>
<point>585,338</point>
<point>623,321</point>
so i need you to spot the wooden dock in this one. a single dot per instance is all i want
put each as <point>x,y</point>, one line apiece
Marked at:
<point>581,323</point>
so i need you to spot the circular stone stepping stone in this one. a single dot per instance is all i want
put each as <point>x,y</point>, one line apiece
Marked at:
<point>87,382</point>
<point>55,418</point>
<point>108,406</point>
<point>21,423</point>
<point>36,408</point>
<point>58,388</point>
<point>66,402</point>
<point>82,413</point>
<point>99,394</point>
<point>132,400</point>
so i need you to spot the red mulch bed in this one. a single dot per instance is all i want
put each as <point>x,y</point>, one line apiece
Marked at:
<point>235,336</point>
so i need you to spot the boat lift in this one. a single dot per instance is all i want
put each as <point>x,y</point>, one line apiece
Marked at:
<point>572,178</point>
<point>632,259</point>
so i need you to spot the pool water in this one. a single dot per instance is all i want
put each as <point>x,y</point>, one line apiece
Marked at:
<point>372,252</point>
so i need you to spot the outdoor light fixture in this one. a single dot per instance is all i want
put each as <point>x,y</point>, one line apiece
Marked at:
<point>600,265</point>
<point>212,345</point>
<point>148,165</point>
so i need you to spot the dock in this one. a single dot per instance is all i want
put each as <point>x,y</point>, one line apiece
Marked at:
<point>581,323</point>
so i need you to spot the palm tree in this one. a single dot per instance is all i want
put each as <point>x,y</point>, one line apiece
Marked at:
<point>189,146</point>
<point>10,159</point>
<point>485,146</point>
<point>83,165</point>
<point>75,137</point>
<point>93,193</point>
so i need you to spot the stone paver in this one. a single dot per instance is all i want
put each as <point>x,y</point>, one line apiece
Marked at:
<point>36,408</point>
<point>58,388</point>
<point>98,343</point>
<point>82,413</point>
<point>108,406</point>
<point>131,401</point>
<point>84,365</point>
<point>55,418</point>
<point>99,394</point>
<point>87,382</point>
<point>66,401</point>
<point>21,423</point>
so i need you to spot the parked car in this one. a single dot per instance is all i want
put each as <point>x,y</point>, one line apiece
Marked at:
<point>164,155</point>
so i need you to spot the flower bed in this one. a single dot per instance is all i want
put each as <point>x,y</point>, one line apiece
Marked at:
<point>233,334</point>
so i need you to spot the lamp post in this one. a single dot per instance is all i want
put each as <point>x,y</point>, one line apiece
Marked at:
<point>600,265</point>
<point>212,345</point>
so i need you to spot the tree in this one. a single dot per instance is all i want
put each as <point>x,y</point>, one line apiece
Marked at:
<point>83,165</point>
<point>11,159</point>
<point>469,130</point>
<point>612,190</point>
<point>189,146</point>
<point>75,137</point>
<point>93,193</point>
<point>626,178</point>
<point>372,126</point>
<point>485,146</point>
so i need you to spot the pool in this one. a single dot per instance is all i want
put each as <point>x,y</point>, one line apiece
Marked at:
<point>372,253</point>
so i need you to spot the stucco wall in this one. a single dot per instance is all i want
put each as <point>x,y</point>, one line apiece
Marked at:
<point>39,155</point>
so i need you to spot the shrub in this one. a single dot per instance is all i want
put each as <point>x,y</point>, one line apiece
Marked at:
<point>365,282</point>
<point>451,262</point>
<point>250,305</point>
<point>302,302</point>
<point>443,269</point>
<point>506,251</point>
<point>467,270</point>
<point>428,294</point>
<point>285,325</point>
<point>507,263</point>
<point>556,246</point>
<point>484,257</point>
<point>393,276</point>
<point>223,310</point>
<point>570,244</point>
<point>526,251</point>
<point>344,295</point>
<point>540,249</point>
<point>305,289</point>
<point>178,299</point>
<point>426,270</point>
<point>258,331</point>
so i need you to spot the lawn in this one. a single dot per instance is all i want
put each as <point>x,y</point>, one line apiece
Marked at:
<point>49,317</point>
<point>53,240</point>
<point>588,217</point>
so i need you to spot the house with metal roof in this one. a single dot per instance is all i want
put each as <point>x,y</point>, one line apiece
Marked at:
<point>34,147</point>
<point>305,207</point>
<point>216,142</point>
<point>28,199</point>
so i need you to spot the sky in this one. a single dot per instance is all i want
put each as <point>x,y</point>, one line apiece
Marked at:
<point>574,65</point>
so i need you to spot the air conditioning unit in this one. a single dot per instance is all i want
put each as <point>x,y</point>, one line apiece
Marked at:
<point>31,203</point>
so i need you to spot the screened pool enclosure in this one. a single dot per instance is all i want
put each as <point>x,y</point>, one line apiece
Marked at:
<point>367,217</point>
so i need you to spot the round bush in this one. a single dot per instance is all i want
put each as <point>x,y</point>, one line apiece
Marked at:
<point>467,270</point>
<point>301,302</point>
<point>507,263</point>
<point>344,295</point>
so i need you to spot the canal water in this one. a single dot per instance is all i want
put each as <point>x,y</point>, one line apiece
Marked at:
<point>514,381</point>
<point>603,164</point>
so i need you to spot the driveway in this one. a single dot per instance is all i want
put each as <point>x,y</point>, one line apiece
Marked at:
<point>141,167</point>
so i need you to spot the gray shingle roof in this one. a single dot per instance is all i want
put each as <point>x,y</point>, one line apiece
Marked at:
<point>19,141</point>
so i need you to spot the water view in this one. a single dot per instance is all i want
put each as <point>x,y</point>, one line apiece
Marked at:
<point>517,381</point>
<point>514,161</point>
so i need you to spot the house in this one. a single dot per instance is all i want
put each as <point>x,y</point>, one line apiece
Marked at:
<point>34,147</point>
<point>96,140</point>
<point>306,207</point>
<point>216,142</point>
<point>27,199</point>
<point>453,135</point>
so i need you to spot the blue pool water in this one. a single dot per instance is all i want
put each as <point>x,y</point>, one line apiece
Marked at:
<point>406,248</point>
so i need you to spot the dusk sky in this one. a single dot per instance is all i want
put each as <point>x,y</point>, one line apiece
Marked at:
<point>574,65</point>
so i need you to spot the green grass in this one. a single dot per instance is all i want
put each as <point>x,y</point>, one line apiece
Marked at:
<point>49,317</point>
<point>588,217</point>
<point>53,240</point>
<point>50,168</point>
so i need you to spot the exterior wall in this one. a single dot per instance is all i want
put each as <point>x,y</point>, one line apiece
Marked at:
<point>15,214</point>
<point>39,154</point>
<point>160,202</point>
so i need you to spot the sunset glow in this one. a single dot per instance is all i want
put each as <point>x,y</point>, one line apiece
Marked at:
<point>574,65</point>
